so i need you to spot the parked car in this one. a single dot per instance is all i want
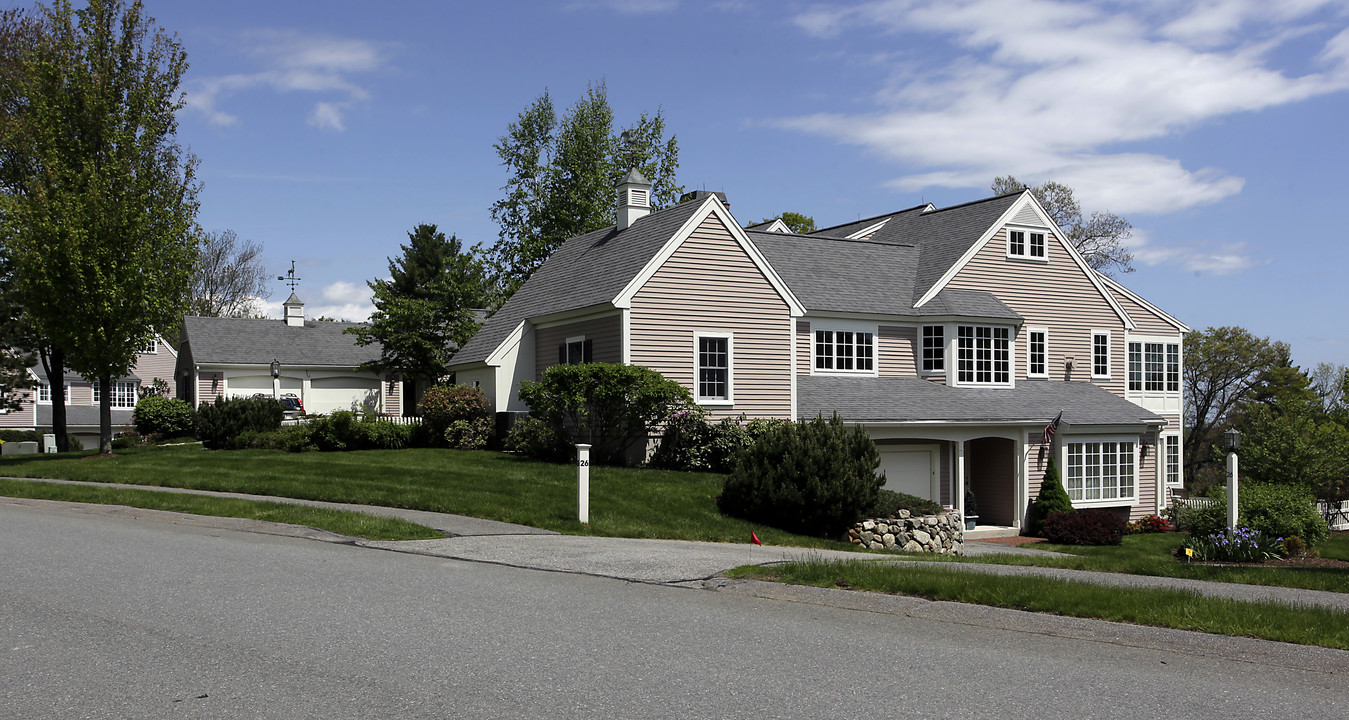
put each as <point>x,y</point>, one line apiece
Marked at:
<point>291,406</point>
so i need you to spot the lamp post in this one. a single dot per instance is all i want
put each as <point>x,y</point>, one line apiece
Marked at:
<point>1232,442</point>
<point>276,380</point>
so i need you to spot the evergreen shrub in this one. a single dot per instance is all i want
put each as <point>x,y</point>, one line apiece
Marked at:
<point>163,417</point>
<point>889,503</point>
<point>1052,498</point>
<point>1089,526</point>
<point>1277,511</point>
<point>812,477</point>
<point>222,422</point>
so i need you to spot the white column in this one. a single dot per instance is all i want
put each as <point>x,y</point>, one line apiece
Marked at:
<point>960,479</point>
<point>1231,493</point>
<point>583,483</point>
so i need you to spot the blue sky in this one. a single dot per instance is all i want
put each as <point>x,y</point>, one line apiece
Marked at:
<point>326,130</point>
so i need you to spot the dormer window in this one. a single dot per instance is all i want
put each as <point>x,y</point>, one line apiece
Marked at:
<point>1026,244</point>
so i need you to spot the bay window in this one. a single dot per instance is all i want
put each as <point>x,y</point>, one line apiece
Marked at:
<point>982,355</point>
<point>1101,471</point>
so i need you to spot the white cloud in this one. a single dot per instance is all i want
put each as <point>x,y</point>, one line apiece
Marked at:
<point>294,62</point>
<point>1044,89</point>
<point>340,300</point>
<point>1200,258</point>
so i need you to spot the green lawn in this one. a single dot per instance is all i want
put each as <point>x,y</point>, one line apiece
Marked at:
<point>1159,608</point>
<point>1150,554</point>
<point>343,522</point>
<point>623,502</point>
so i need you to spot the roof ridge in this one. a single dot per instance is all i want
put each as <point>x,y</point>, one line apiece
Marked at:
<point>874,217</point>
<point>972,202</point>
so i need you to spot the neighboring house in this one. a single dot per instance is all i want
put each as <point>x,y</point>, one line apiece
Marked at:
<point>232,357</point>
<point>955,336</point>
<point>154,361</point>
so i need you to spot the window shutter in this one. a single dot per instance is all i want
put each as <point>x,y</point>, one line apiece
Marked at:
<point>587,351</point>
<point>562,354</point>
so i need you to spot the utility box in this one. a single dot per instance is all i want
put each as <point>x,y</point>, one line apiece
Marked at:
<point>27,447</point>
<point>49,443</point>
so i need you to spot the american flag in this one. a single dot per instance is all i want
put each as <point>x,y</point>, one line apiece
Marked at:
<point>1051,428</point>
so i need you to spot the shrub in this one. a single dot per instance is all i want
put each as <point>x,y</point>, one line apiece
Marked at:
<point>346,430</point>
<point>1293,546</point>
<point>124,440</point>
<point>1245,545</point>
<point>537,439</point>
<point>1052,498</point>
<point>464,407</point>
<point>610,406</point>
<point>1084,527</point>
<point>1149,524</point>
<point>1272,510</point>
<point>219,424</point>
<point>813,477</point>
<point>7,436</point>
<point>690,442</point>
<point>889,503</point>
<point>163,417</point>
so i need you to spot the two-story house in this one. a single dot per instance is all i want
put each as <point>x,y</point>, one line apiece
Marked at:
<point>954,335</point>
<point>154,361</point>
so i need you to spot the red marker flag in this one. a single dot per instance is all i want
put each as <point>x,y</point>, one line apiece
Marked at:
<point>754,538</point>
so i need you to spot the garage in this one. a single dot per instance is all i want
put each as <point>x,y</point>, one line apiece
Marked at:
<point>911,469</point>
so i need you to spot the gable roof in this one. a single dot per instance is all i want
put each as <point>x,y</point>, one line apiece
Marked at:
<point>248,341</point>
<point>912,399</point>
<point>833,274</point>
<point>586,271</point>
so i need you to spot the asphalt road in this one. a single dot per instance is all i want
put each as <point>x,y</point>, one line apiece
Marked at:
<point>108,617</point>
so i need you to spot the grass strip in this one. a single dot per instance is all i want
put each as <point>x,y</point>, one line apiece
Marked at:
<point>1179,609</point>
<point>624,502</point>
<point>344,522</point>
<point>1150,554</point>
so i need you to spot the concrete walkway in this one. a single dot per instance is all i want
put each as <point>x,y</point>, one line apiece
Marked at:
<point>661,561</point>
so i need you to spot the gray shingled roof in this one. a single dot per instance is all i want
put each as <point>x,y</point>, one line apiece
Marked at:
<point>900,399</point>
<point>248,341</point>
<point>586,271</point>
<point>84,416</point>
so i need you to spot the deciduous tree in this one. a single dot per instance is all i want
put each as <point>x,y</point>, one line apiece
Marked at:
<point>1221,366</point>
<point>562,176</point>
<point>102,239</point>
<point>228,278</point>
<point>796,222</point>
<point>1099,238</point>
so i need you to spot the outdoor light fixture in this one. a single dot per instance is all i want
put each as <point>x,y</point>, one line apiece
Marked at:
<point>276,369</point>
<point>1232,440</point>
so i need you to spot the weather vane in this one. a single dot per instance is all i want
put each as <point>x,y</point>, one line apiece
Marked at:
<point>289,278</point>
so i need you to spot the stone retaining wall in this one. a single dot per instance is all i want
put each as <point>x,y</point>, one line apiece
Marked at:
<point>942,534</point>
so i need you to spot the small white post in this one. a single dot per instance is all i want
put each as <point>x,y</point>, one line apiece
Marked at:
<point>1231,494</point>
<point>583,483</point>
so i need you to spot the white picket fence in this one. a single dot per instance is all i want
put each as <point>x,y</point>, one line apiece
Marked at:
<point>1336,514</point>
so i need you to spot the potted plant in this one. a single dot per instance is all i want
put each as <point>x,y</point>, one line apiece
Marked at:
<point>971,510</point>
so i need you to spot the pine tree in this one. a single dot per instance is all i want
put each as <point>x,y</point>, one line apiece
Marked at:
<point>1053,498</point>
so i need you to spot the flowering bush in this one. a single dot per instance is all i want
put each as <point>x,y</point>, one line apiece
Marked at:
<point>1245,545</point>
<point>1149,524</point>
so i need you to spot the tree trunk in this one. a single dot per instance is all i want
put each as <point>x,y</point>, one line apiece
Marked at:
<point>105,416</point>
<point>54,364</point>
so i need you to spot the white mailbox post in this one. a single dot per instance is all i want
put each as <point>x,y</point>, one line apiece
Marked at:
<point>1232,439</point>
<point>583,483</point>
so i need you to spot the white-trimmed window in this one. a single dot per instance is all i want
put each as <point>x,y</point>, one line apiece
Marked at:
<point>1154,367</point>
<point>44,393</point>
<point>934,349</point>
<point>1171,460</point>
<point>1101,472</point>
<point>1037,352</point>
<point>149,348</point>
<point>1022,243</point>
<point>713,374</point>
<point>575,350</point>
<point>983,356</point>
<point>123,394</point>
<point>845,351</point>
<point>1100,354</point>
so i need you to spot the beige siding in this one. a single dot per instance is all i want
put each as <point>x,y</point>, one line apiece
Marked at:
<point>804,348</point>
<point>393,398</point>
<point>1056,295</point>
<point>158,365</point>
<point>606,334</point>
<point>210,385</point>
<point>25,416</point>
<point>1146,321</point>
<point>710,285</point>
<point>896,351</point>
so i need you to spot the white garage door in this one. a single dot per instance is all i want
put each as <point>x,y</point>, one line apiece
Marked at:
<point>911,469</point>
<point>249,385</point>
<point>344,393</point>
